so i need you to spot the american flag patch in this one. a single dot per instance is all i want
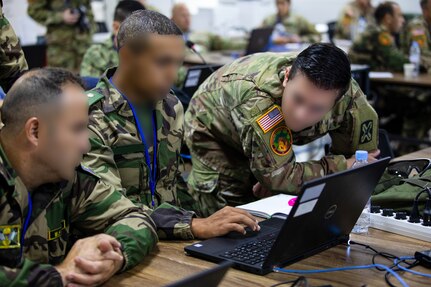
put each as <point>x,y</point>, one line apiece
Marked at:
<point>270,119</point>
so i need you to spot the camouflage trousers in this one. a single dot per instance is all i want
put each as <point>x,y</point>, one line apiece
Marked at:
<point>68,54</point>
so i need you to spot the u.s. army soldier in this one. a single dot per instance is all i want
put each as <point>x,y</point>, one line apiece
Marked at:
<point>243,120</point>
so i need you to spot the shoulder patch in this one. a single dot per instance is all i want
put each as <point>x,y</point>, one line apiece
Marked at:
<point>366,132</point>
<point>281,141</point>
<point>385,39</point>
<point>93,97</point>
<point>88,170</point>
<point>270,119</point>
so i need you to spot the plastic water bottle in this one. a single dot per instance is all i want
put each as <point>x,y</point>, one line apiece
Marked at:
<point>415,57</point>
<point>362,25</point>
<point>364,220</point>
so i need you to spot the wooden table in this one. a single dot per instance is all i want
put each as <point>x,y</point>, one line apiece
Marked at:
<point>424,153</point>
<point>424,80</point>
<point>168,263</point>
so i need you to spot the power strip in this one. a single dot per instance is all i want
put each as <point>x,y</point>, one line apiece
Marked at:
<point>400,226</point>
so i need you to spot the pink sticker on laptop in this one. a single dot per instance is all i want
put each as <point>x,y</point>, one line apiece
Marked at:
<point>292,201</point>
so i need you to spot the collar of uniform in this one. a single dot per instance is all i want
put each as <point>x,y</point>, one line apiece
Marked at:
<point>278,18</point>
<point>115,101</point>
<point>6,169</point>
<point>384,29</point>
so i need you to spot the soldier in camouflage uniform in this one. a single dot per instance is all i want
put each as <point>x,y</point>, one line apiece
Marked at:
<point>12,61</point>
<point>419,30</point>
<point>296,28</point>
<point>204,41</point>
<point>69,26</point>
<point>136,137</point>
<point>243,120</point>
<point>45,202</point>
<point>102,56</point>
<point>376,47</point>
<point>417,122</point>
<point>350,16</point>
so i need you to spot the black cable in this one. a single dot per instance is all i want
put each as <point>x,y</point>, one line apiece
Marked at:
<point>295,282</point>
<point>388,256</point>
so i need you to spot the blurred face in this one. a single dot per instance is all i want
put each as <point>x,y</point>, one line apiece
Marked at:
<point>63,137</point>
<point>154,69</point>
<point>363,3</point>
<point>283,7</point>
<point>181,16</point>
<point>304,104</point>
<point>396,21</point>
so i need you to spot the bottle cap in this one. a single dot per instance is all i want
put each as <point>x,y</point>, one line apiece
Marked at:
<point>361,155</point>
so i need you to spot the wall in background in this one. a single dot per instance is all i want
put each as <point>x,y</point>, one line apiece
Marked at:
<point>225,17</point>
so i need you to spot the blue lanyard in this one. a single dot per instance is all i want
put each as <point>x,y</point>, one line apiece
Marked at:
<point>152,168</point>
<point>26,223</point>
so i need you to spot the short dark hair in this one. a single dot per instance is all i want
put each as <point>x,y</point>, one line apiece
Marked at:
<point>35,89</point>
<point>125,8</point>
<point>383,9</point>
<point>424,3</point>
<point>325,65</point>
<point>142,23</point>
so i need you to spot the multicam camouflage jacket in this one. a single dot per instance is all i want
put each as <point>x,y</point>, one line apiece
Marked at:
<point>117,155</point>
<point>295,24</point>
<point>350,16</point>
<point>54,213</point>
<point>12,61</point>
<point>376,47</point>
<point>98,58</point>
<point>235,131</point>
<point>420,31</point>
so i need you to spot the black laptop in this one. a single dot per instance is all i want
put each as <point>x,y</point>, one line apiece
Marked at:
<point>259,40</point>
<point>323,216</point>
<point>208,278</point>
<point>195,76</point>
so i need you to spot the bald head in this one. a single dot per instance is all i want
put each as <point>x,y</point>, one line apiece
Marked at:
<point>34,95</point>
<point>181,16</point>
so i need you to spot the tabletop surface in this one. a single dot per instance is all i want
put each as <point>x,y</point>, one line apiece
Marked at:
<point>168,262</point>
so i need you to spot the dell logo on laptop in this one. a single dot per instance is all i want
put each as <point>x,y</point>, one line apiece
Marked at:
<point>331,211</point>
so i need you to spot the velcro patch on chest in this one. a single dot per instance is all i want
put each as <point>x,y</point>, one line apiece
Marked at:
<point>385,39</point>
<point>10,236</point>
<point>270,119</point>
<point>56,233</point>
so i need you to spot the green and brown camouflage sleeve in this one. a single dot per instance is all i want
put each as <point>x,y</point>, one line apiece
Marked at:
<point>389,55</point>
<point>100,208</point>
<point>12,60</point>
<point>359,128</point>
<point>40,11</point>
<point>171,222</point>
<point>30,273</point>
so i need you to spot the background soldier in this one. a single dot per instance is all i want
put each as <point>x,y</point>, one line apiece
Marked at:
<point>69,26</point>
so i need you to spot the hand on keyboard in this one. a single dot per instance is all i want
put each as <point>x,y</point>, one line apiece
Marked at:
<point>224,221</point>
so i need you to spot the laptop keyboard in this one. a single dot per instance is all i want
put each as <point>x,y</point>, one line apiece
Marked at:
<point>252,252</point>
